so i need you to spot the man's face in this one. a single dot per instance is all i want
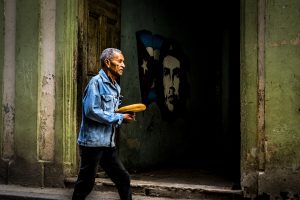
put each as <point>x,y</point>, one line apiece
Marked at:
<point>116,64</point>
<point>171,67</point>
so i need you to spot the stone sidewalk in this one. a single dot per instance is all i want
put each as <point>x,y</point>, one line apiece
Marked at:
<point>17,192</point>
<point>168,189</point>
<point>152,185</point>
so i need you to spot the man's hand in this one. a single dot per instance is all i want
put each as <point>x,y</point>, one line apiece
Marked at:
<point>128,117</point>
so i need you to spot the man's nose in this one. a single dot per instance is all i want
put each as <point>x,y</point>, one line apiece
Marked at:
<point>172,90</point>
<point>172,80</point>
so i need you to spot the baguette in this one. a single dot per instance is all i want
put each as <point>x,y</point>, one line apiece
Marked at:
<point>138,107</point>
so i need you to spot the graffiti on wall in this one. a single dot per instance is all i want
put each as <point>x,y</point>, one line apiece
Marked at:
<point>162,73</point>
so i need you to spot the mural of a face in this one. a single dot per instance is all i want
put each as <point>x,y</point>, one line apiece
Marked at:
<point>162,67</point>
<point>171,69</point>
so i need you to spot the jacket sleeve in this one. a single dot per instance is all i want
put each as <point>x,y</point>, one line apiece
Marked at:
<point>92,107</point>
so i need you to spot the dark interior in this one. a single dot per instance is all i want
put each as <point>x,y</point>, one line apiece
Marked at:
<point>218,138</point>
<point>210,32</point>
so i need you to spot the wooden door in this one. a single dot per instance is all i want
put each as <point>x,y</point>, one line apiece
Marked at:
<point>99,28</point>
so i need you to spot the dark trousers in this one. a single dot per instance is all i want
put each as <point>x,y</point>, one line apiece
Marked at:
<point>108,159</point>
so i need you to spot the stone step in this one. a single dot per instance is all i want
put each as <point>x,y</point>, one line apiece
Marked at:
<point>168,189</point>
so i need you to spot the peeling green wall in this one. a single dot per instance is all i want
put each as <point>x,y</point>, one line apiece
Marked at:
<point>26,109</point>
<point>25,167</point>
<point>282,102</point>
<point>27,66</point>
<point>280,174</point>
<point>248,92</point>
<point>248,83</point>
<point>66,56</point>
<point>283,84</point>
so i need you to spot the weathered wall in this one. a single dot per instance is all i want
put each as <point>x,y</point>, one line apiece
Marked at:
<point>26,110</point>
<point>276,172</point>
<point>283,83</point>
<point>248,87</point>
<point>38,54</point>
<point>9,78</point>
<point>65,100</point>
<point>282,98</point>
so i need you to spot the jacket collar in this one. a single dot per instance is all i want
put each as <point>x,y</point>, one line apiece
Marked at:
<point>104,76</point>
<point>106,79</point>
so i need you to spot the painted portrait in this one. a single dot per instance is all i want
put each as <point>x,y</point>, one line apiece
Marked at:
<point>162,73</point>
<point>174,88</point>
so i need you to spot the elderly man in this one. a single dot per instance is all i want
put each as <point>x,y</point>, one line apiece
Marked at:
<point>99,122</point>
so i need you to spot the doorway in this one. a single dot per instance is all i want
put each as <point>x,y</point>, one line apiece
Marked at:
<point>216,142</point>
<point>207,135</point>
<point>211,42</point>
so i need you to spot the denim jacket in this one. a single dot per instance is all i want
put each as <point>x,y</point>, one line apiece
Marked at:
<point>100,99</point>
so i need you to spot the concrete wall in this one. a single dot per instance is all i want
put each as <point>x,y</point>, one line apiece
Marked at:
<point>37,60</point>
<point>271,157</point>
<point>26,101</point>
<point>282,97</point>
<point>249,95</point>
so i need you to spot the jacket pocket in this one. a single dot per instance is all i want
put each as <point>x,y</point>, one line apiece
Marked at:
<point>107,102</point>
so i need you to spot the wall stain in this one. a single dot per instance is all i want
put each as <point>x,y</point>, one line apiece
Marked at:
<point>44,82</point>
<point>47,79</point>
<point>294,42</point>
<point>6,108</point>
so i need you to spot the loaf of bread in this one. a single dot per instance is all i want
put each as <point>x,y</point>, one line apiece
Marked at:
<point>133,108</point>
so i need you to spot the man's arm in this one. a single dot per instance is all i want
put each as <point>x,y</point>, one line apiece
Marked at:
<point>92,107</point>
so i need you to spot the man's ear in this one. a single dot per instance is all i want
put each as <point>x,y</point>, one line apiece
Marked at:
<point>107,62</point>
